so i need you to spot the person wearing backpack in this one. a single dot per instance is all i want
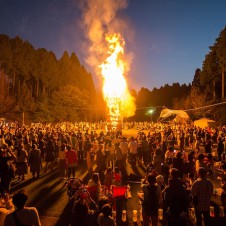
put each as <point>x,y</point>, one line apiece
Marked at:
<point>150,201</point>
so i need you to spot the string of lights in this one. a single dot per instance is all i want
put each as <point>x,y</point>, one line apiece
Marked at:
<point>207,106</point>
<point>154,107</point>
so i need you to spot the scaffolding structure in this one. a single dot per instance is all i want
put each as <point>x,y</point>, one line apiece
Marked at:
<point>114,117</point>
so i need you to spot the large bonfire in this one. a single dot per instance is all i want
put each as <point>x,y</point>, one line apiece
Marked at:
<point>106,50</point>
<point>115,89</point>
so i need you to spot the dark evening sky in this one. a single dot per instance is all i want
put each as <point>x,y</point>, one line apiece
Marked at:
<point>168,39</point>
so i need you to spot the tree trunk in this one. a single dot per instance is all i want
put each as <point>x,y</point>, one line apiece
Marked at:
<point>23,118</point>
<point>14,81</point>
<point>37,88</point>
<point>222,82</point>
<point>214,92</point>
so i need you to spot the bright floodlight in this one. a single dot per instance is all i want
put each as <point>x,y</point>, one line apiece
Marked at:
<point>151,111</point>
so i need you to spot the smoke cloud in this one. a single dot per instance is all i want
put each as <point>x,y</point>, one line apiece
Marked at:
<point>99,18</point>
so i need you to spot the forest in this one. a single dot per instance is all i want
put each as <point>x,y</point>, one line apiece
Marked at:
<point>36,86</point>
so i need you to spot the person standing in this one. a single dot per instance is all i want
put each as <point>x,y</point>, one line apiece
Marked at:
<point>133,145</point>
<point>111,156</point>
<point>144,150</point>
<point>22,215</point>
<point>158,161</point>
<point>6,207</point>
<point>200,163</point>
<point>50,155</point>
<point>94,187</point>
<point>35,160</point>
<point>178,163</point>
<point>5,175</point>
<point>80,150</point>
<point>71,160</point>
<point>105,217</point>
<point>21,162</point>
<point>150,201</point>
<point>208,146</point>
<point>90,159</point>
<point>220,148</point>
<point>175,199</point>
<point>62,161</point>
<point>223,185</point>
<point>125,148</point>
<point>201,191</point>
<point>100,161</point>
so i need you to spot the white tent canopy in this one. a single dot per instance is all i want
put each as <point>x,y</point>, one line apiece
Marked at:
<point>203,123</point>
<point>165,113</point>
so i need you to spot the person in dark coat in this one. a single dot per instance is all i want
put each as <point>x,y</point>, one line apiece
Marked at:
<point>175,199</point>
<point>100,161</point>
<point>35,160</point>
<point>208,146</point>
<point>220,148</point>
<point>50,155</point>
<point>178,163</point>
<point>5,175</point>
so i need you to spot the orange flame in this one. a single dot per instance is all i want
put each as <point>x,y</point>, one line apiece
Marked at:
<point>115,89</point>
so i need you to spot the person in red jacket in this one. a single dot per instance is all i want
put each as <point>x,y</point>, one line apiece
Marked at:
<point>72,160</point>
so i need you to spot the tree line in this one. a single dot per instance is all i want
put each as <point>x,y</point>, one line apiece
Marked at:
<point>200,97</point>
<point>34,81</point>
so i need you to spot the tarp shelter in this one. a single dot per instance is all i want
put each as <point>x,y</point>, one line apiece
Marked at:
<point>165,113</point>
<point>204,123</point>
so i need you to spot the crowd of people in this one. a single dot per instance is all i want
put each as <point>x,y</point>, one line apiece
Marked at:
<point>177,159</point>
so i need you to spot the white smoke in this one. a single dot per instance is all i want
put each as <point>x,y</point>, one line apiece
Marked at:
<point>99,18</point>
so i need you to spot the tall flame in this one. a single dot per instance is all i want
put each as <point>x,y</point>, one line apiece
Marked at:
<point>115,89</point>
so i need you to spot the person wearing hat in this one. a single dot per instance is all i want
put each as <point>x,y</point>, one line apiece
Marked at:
<point>201,191</point>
